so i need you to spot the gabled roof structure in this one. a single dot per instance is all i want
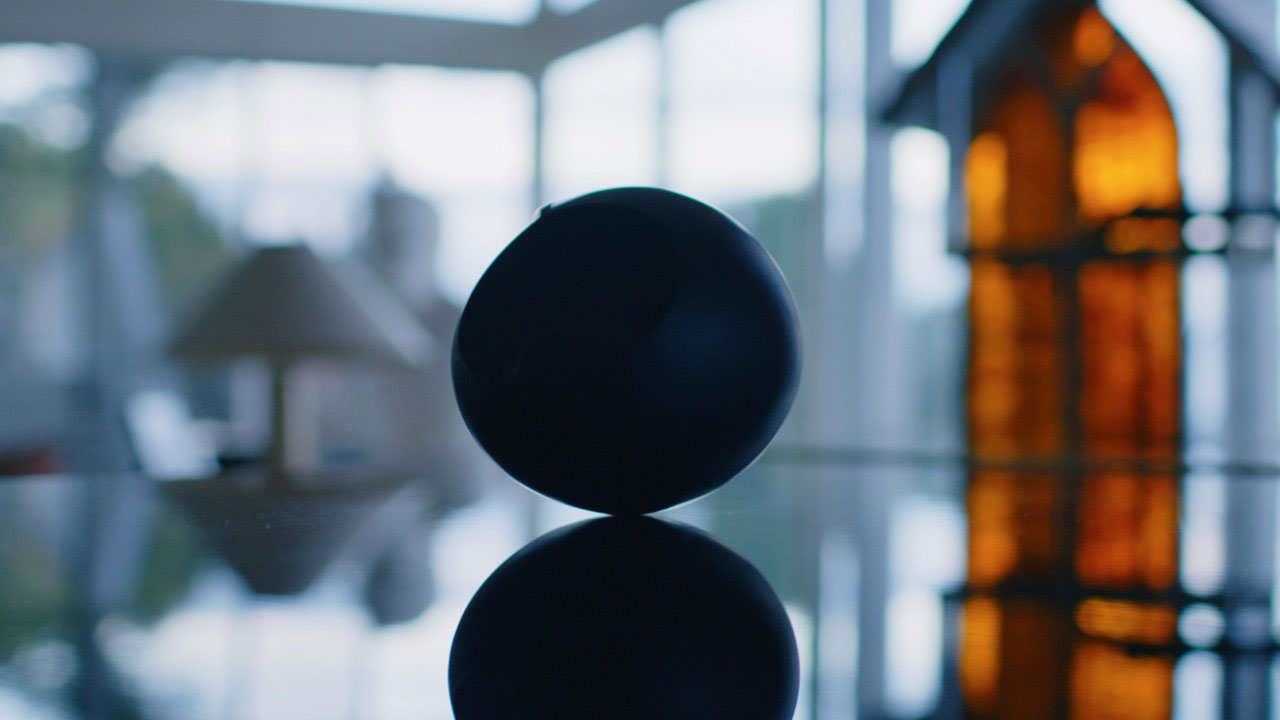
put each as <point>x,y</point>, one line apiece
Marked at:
<point>983,35</point>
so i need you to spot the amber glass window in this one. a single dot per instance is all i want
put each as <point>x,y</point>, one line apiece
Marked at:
<point>1074,363</point>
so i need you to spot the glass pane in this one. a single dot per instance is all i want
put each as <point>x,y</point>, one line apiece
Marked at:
<point>602,116</point>
<point>743,97</point>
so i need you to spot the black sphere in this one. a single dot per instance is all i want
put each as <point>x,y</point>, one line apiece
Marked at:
<point>627,619</point>
<point>630,350</point>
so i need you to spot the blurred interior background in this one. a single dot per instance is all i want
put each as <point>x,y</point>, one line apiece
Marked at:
<point>1032,469</point>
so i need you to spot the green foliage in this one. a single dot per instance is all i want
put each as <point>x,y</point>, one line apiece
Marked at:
<point>38,197</point>
<point>32,568</point>
<point>187,248</point>
<point>41,202</point>
<point>172,554</point>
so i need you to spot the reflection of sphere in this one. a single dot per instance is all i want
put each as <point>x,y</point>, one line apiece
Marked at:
<point>624,618</point>
<point>630,350</point>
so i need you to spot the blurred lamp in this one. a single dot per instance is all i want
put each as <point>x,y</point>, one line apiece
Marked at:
<point>284,304</point>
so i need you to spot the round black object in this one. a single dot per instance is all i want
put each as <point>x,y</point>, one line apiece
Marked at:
<point>630,350</point>
<point>627,619</point>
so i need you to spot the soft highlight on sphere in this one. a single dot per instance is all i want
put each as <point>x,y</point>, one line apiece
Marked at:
<point>630,350</point>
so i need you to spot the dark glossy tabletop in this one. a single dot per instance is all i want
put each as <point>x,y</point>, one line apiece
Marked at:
<point>135,595</point>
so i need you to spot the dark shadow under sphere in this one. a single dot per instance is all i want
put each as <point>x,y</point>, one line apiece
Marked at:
<point>626,619</point>
<point>630,350</point>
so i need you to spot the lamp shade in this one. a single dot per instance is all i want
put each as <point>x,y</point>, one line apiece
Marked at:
<point>285,303</point>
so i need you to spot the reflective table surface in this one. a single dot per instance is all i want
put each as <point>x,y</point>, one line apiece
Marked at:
<point>339,596</point>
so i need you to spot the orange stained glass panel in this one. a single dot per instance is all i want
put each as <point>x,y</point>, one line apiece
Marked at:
<point>987,176</point>
<point>1035,647</point>
<point>1011,527</point>
<point>1137,234</point>
<point>1108,683</point>
<point>1076,42</point>
<point>1128,531</point>
<point>1015,361</point>
<point>1037,198</point>
<point>1130,356</point>
<point>993,541</point>
<point>1125,146</point>
<point>999,638</point>
<point>1012,521</point>
<point>1127,621</point>
<point>1161,330</point>
<point>980,653</point>
<point>1092,38</point>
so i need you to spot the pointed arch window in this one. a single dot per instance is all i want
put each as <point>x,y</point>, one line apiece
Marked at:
<point>1071,182</point>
